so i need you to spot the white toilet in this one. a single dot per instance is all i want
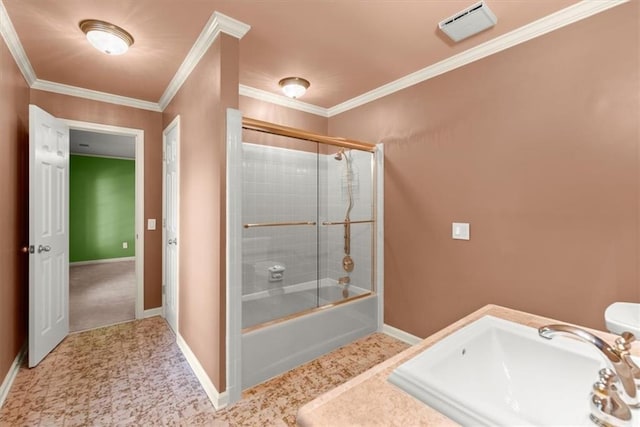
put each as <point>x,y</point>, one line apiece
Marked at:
<point>623,316</point>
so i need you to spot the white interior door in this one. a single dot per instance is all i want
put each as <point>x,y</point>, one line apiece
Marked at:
<point>48,233</point>
<point>171,140</point>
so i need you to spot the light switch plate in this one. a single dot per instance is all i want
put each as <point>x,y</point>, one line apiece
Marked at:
<point>151,224</point>
<point>460,230</point>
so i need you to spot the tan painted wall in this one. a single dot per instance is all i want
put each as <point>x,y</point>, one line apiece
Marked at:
<point>260,110</point>
<point>201,103</point>
<point>14,179</point>
<point>278,114</point>
<point>68,107</point>
<point>538,148</point>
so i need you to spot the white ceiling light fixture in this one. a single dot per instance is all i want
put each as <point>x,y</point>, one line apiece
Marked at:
<point>106,37</point>
<point>294,87</point>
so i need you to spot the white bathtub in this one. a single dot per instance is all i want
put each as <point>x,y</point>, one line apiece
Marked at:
<point>276,348</point>
<point>274,304</point>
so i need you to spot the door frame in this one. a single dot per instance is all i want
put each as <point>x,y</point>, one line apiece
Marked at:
<point>234,257</point>
<point>138,135</point>
<point>175,123</point>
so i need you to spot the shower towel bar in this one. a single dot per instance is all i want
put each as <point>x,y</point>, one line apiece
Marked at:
<point>365,221</point>
<point>272,128</point>
<point>279,224</point>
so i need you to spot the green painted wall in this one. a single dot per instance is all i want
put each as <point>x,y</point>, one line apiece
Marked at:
<point>102,208</point>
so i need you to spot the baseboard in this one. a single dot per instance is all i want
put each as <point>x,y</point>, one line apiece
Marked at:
<point>153,312</point>
<point>11,375</point>
<point>219,400</point>
<point>102,261</point>
<point>400,334</point>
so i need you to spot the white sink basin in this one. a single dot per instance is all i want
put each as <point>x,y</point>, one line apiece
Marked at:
<point>496,372</point>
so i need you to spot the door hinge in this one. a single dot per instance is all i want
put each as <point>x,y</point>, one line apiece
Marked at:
<point>164,289</point>
<point>164,223</point>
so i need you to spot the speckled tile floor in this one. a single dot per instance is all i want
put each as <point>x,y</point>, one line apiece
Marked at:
<point>134,374</point>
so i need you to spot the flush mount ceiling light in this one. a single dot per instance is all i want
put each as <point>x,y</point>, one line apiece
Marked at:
<point>106,37</point>
<point>294,87</point>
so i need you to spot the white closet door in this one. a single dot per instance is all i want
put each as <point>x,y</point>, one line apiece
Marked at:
<point>171,137</point>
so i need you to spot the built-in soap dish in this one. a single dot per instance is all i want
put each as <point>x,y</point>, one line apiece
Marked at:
<point>276,273</point>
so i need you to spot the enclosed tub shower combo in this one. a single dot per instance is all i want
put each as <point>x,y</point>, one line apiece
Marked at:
<point>302,258</point>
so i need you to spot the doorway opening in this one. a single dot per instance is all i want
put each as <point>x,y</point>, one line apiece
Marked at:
<point>106,225</point>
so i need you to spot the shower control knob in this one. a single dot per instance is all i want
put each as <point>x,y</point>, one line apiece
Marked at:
<point>347,264</point>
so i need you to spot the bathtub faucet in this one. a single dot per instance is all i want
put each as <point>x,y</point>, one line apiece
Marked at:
<point>344,280</point>
<point>618,357</point>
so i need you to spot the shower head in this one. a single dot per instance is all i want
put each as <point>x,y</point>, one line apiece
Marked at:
<point>339,154</point>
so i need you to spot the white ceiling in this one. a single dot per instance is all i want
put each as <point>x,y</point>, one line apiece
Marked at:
<point>101,144</point>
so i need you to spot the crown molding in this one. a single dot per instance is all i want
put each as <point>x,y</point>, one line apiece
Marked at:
<point>218,23</point>
<point>221,23</point>
<point>15,47</point>
<point>95,95</point>
<point>282,100</point>
<point>562,18</point>
<point>228,25</point>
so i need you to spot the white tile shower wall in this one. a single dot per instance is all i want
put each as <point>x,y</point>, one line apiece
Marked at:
<point>279,185</point>
<point>282,185</point>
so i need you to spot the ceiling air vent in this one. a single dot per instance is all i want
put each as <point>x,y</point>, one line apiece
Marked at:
<point>470,21</point>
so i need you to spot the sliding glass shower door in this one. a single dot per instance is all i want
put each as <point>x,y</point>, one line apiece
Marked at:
<point>280,238</point>
<point>307,238</point>
<point>346,224</point>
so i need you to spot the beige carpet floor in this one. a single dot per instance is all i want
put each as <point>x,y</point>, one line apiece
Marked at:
<point>101,294</point>
<point>133,374</point>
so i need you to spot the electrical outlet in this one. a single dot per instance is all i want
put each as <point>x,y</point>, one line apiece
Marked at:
<point>460,230</point>
<point>125,245</point>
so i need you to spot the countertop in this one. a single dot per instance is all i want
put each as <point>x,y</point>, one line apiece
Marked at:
<point>369,400</point>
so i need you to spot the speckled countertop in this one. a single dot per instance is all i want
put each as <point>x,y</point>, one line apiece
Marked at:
<point>369,400</point>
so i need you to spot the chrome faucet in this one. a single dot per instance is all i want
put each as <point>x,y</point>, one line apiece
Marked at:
<point>607,407</point>
<point>623,347</point>
<point>618,357</point>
